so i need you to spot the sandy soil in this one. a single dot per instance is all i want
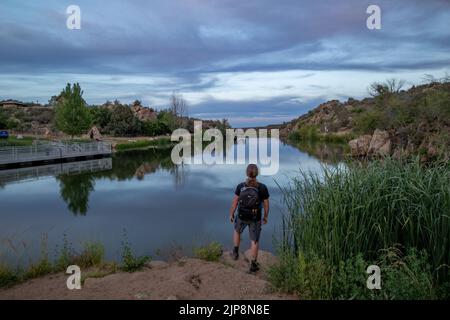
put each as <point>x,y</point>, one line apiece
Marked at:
<point>186,278</point>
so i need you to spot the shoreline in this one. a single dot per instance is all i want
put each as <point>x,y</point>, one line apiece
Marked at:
<point>184,278</point>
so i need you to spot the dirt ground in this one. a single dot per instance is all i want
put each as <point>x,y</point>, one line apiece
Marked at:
<point>186,278</point>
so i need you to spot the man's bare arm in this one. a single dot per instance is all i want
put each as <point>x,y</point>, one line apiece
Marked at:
<point>234,205</point>
<point>266,210</point>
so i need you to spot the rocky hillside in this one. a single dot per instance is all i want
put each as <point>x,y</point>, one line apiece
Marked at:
<point>392,122</point>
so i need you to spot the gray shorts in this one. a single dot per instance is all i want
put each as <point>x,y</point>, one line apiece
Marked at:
<point>254,228</point>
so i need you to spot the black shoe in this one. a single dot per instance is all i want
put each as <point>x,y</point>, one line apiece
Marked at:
<point>254,267</point>
<point>235,254</point>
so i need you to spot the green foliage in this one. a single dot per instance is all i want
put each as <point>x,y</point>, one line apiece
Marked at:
<point>123,122</point>
<point>363,209</point>
<point>91,256</point>
<point>66,255</point>
<point>156,127</point>
<point>142,144</point>
<point>210,252</point>
<point>101,116</point>
<point>43,266</point>
<point>131,262</point>
<point>39,269</point>
<point>407,277</point>
<point>72,116</point>
<point>13,141</point>
<point>436,106</point>
<point>4,121</point>
<point>310,133</point>
<point>369,121</point>
<point>310,279</point>
<point>8,277</point>
<point>167,121</point>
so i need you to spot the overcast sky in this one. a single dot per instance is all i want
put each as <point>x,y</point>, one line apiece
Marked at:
<point>251,61</point>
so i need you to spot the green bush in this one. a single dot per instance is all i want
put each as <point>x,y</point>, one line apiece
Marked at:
<point>39,269</point>
<point>123,122</point>
<point>131,262</point>
<point>92,255</point>
<point>101,116</point>
<point>369,121</point>
<point>8,277</point>
<point>210,252</point>
<point>4,120</point>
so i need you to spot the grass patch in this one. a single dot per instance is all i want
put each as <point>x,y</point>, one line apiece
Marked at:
<point>309,133</point>
<point>210,252</point>
<point>143,144</point>
<point>8,276</point>
<point>92,255</point>
<point>13,141</point>
<point>102,271</point>
<point>343,220</point>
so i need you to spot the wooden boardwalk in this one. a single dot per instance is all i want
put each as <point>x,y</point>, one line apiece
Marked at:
<point>54,151</point>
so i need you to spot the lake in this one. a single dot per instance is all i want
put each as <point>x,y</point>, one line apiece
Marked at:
<point>140,196</point>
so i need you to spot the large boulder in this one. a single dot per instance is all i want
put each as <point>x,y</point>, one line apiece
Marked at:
<point>359,147</point>
<point>380,144</point>
<point>95,134</point>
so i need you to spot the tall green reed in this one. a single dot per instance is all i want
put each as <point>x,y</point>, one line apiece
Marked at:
<point>363,208</point>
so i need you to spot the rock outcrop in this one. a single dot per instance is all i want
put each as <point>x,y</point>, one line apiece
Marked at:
<point>378,144</point>
<point>143,113</point>
<point>359,147</point>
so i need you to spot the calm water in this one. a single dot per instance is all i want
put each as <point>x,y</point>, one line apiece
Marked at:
<point>159,205</point>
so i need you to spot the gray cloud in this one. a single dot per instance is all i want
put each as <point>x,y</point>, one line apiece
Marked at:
<point>189,42</point>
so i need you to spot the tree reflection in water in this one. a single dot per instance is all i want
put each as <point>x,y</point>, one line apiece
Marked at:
<point>75,190</point>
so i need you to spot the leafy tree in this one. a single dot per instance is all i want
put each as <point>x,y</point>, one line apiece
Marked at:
<point>3,120</point>
<point>101,116</point>
<point>152,128</point>
<point>123,122</point>
<point>72,116</point>
<point>167,121</point>
<point>53,101</point>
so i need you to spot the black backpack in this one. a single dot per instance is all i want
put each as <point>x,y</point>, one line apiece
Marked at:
<point>248,203</point>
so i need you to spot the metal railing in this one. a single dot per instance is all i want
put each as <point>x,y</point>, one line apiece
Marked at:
<point>52,151</point>
<point>36,173</point>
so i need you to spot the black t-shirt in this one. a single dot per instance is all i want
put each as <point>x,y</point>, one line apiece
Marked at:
<point>262,191</point>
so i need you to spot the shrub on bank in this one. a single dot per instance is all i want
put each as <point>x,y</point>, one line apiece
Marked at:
<point>210,252</point>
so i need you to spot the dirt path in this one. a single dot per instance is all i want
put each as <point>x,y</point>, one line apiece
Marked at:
<point>187,278</point>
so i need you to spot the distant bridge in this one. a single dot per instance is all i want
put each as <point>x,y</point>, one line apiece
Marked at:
<point>51,152</point>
